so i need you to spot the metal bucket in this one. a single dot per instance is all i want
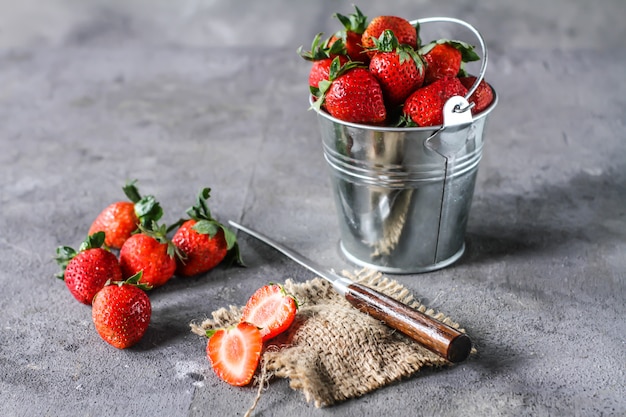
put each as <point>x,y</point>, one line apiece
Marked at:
<point>403,195</point>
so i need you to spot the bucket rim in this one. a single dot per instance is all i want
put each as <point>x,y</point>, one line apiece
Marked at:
<point>327,116</point>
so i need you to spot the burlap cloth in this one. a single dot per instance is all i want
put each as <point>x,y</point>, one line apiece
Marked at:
<point>334,352</point>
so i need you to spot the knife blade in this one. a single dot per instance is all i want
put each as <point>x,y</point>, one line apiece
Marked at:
<point>434,335</point>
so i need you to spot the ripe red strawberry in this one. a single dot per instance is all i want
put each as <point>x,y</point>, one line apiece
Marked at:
<point>270,309</point>
<point>121,312</point>
<point>425,106</point>
<point>444,58</point>
<point>85,272</point>
<point>120,219</point>
<point>202,241</point>
<point>354,26</point>
<point>482,96</point>
<point>402,28</point>
<point>235,353</point>
<point>151,253</point>
<point>398,68</point>
<point>321,55</point>
<point>352,94</point>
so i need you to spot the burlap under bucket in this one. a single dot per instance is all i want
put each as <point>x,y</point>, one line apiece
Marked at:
<point>333,352</point>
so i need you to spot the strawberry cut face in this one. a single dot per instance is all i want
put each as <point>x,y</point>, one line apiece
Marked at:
<point>235,353</point>
<point>270,309</point>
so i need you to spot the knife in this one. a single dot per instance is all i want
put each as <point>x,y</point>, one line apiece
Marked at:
<point>434,335</point>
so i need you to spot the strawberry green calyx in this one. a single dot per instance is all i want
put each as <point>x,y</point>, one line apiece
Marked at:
<point>356,22</point>
<point>95,240</point>
<point>133,280</point>
<point>387,42</point>
<point>336,70</point>
<point>147,209</point>
<point>131,191</point>
<point>467,51</point>
<point>417,34</point>
<point>406,121</point>
<point>320,49</point>
<point>64,254</point>
<point>206,224</point>
<point>159,233</point>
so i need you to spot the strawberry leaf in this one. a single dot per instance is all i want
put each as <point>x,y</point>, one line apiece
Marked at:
<point>230,237</point>
<point>64,255</point>
<point>131,191</point>
<point>406,121</point>
<point>417,33</point>
<point>386,42</point>
<point>201,210</point>
<point>467,51</point>
<point>320,49</point>
<point>233,257</point>
<point>315,91</point>
<point>133,280</point>
<point>356,22</point>
<point>95,240</point>
<point>148,210</point>
<point>207,227</point>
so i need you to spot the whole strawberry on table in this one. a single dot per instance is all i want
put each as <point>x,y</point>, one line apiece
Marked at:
<point>115,287</point>
<point>393,79</point>
<point>202,241</point>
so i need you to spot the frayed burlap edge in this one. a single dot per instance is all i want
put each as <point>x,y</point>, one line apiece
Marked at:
<point>333,352</point>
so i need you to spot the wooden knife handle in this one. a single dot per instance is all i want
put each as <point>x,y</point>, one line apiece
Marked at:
<point>434,335</point>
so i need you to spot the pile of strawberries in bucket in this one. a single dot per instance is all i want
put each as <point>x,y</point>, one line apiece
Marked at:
<point>380,73</point>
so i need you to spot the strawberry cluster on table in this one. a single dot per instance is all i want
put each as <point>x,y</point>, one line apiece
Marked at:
<point>379,73</point>
<point>115,286</point>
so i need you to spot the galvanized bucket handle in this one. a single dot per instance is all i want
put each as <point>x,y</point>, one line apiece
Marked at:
<point>481,41</point>
<point>457,117</point>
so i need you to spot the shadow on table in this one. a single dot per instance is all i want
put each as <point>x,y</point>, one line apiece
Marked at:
<point>587,208</point>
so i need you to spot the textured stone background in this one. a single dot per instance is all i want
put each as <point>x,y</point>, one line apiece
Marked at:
<point>187,94</point>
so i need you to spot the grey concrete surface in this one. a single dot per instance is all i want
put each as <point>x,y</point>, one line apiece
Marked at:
<point>181,95</point>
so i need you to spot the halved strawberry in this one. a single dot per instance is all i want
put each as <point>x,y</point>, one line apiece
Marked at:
<point>235,352</point>
<point>270,309</point>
